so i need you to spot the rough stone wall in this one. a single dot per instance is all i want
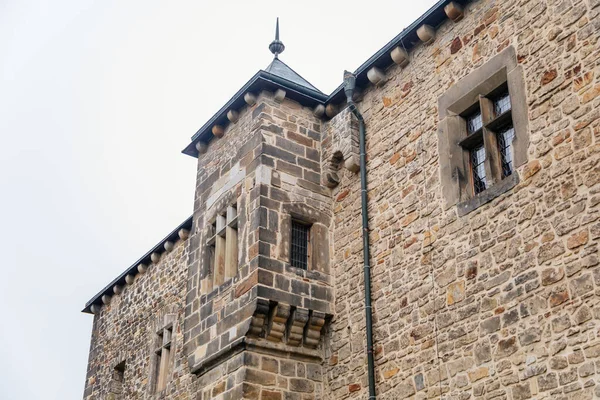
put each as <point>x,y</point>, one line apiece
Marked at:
<point>126,330</point>
<point>340,147</point>
<point>218,317</point>
<point>252,375</point>
<point>268,162</point>
<point>502,302</point>
<point>292,153</point>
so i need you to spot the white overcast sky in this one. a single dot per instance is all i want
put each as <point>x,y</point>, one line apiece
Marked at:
<point>97,99</point>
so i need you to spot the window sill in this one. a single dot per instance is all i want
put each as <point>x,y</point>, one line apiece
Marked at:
<point>309,274</point>
<point>488,195</point>
<point>223,287</point>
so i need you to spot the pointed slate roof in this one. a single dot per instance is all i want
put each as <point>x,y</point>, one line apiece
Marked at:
<point>281,69</point>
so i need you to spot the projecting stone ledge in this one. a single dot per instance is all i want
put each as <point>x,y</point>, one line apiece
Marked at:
<point>271,326</point>
<point>291,325</point>
<point>343,151</point>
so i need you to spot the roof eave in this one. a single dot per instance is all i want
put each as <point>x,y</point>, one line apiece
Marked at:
<point>145,259</point>
<point>260,81</point>
<point>435,16</point>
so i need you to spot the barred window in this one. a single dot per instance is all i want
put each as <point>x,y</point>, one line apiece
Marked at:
<point>488,139</point>
<point>484,133</point>
<point>477,162</point>
<point>300,245</point>
<point>505,139</point>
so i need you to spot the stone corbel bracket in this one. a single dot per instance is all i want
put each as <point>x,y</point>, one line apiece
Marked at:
<point>288,325</point>
<point>340,147</point>
<point>259,319</point>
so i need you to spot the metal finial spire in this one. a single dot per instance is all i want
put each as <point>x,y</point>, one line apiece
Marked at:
<point>276,45</point>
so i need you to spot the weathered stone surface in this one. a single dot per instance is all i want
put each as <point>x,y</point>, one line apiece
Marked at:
<point>558,297</point>
<point>530,335</point>
<point>577,239</point>
<point>482,353</point>
<point>559,324</point>
<point>490,325</point>
<point>456,292</point>
<point>497,300</point>
<point>531,169</point>
<point>521,391</point>
<point>506,347</point>
<point>547,382</point>
<point>552,275</point>
<point>550,251</point>
<point>582,285</point>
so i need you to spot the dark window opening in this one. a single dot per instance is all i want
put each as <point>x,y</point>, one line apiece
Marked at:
<point>118,379</point>
<point>163,356</point>
<point>300,245</point>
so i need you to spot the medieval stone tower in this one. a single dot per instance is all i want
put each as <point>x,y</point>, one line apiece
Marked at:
<point>469,260</point>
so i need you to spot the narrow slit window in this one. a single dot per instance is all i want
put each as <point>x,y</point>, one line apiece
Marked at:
<point>118,380</point>
<point>299,257</point>
<point>478,167</point>
<point>163,357</point>
<point>222,247</point>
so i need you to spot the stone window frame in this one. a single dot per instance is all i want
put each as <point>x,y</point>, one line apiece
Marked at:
<point>117,384</point>
<point>222,244</point>
<point>502,69</point>
<point>161,366</point>
<point>319,266</point>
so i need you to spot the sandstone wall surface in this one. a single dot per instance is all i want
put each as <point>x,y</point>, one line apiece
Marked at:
<point>501,303</point>
<point>126,330</point>
<point>268,164</point>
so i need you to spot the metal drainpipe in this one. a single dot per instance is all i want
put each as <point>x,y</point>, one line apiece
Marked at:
<point>349,85</point>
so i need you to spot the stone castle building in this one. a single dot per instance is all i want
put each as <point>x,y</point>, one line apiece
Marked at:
<point>478,275</point>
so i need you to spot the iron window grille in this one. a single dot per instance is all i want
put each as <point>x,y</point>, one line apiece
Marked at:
<point>488,139</point>
<point>505,138</point>
<point>300,245</point>
<point>478,167</point>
